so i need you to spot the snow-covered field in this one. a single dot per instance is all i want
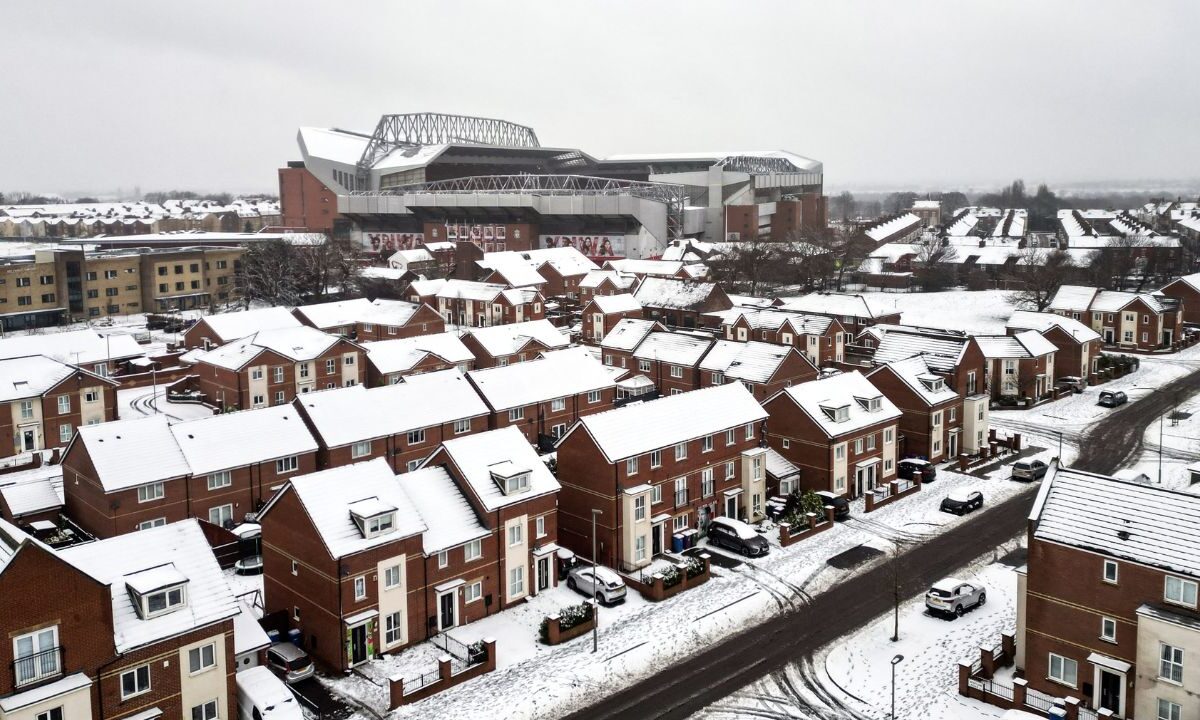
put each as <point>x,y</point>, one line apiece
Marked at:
<point>981,311</point>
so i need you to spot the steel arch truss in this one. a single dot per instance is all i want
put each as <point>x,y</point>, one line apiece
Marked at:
<point>759,165</point>
<point>415,129</point>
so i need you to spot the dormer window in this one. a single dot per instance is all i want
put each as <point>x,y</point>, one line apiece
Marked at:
<point>870,404</point>
<point>157,591</point>
<point>510,477</point>
<point>373,517</point>
<point>932,383</point>
<point>836,413</point>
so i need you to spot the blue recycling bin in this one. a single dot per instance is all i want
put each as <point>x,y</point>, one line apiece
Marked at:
<point>677,543</point>
<point>273,636</point>
<point>294,636</point>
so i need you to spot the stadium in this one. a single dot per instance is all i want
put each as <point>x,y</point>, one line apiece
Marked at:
<point>429,177</point>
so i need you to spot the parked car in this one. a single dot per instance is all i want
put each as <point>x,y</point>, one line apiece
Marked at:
<point>911,467</point>
<point>1112,398</point>
<point>600,583</point>
<point>1070,382</point>
<point>952,596</point>
<point>289,662</point>
<point>841,506</point>
<point>1033,470</point>
<point>262,696</point>
<point>963,501</point>
<point>737,536</point>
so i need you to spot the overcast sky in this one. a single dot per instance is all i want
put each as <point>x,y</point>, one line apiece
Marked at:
<point>96,96</point>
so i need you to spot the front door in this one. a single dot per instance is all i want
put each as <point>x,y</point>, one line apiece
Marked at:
<point>731,506</point>
<point>445,611</point>
<point>543,570</point>
<point>656,539</point>
<point>1110,691</point>
<point>1108,336</point>
<point>952,447</point>
<point>28,439</point>
<point>358,644</point>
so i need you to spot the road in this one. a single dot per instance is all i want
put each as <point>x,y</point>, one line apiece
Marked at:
<point>685,688</point>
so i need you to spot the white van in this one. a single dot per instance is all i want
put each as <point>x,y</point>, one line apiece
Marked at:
<point>262,696</point>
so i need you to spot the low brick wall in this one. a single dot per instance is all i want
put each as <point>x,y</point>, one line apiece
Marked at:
<point>446,678</point>
<point>789,535</point>
<point>555,636</point>
<point>654,591</point>
<point>894,494</point>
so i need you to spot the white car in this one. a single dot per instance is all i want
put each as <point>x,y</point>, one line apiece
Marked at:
<point>610,590</point>
<point>952,596</point>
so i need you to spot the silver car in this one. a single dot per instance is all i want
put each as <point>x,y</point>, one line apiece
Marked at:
<point>952,596</point>
<point>289,662</point>
<point>610,589</point>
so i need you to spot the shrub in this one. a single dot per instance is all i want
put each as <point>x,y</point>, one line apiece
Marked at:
<point>670,577</point>
<point>568,618</point>
<point>695,566</point>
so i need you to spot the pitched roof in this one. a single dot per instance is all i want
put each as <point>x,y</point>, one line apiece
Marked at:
<point>477,455</point>
<point>671,293</point>
<point>833,304</point>
<point>673,347</point>
<point>1025,344</point>
<point>628,333</point>
<point>778,466</point>
<point>556,375</point>
<point>642,427</point>
<point>750,361</point>
<point>390,356</point>
<point>178,551</point>
<point>1146,524</point>
<point>1043,321</point>
<point>298,344</point>
<point>341,313</point>
<point>27,377</point>
<point>501,340</point>
<point>77,347</point>
<point>665,268</point>
<point>844,390</point>
<point>234,325</point>
<point>347,415</point>
<point>1193,280</point>
<point>223,442</point>
<point>450,518</point>
<point>468,290</point>
<point>943,349</point>
<point>128,453</point>
<point>516,270</point>
<point>916,373</point>
<point>774,319</point>
<point>1073,297</point>
<point>623,302</point>
<point>35,490</point>
<point>595,277</point>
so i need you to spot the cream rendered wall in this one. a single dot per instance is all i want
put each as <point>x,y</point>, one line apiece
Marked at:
<point>838,347</point>
<point>754,482</point>
<point>975,423</point>
<point>889,451</point>
<point>76,705</point>
<point>937,434</point>
<point>1022,583</point>
<point>839,467</point>
<point>632,529</point>
<point>20,424</point>
<point>91,413</point>
<point>516,556</point>
<point>392,600</point>
<point>1148,688</point>
<point>207,684</point>
<point>1128,324</point>
<point>349,369</point>
<point>259,386</point>
<point>309,382</point>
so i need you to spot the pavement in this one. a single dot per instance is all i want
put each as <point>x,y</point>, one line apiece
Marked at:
<point>683,689</point>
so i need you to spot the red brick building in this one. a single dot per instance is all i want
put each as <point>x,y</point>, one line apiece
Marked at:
<point>306,202</point>
<point>366,320</point>
<point>821,339</point>
<point>213,330</point>
<point>933,419</point>
<point>618,345</point>
<point>501,345</point>
<point>763,368</point>
<point>680,303</point>
<point>390,360</point>
<point>854,312</point>
<point>1129,321</point>
<point>1018,366</point>
<point>477,304</point>
<point>43,403</point>
<point>671,360</point>
<point>1078,346</point>
<point>602,313</point>
<point>660,468</point>
<point>1185,291</point>
<point>606,282</point>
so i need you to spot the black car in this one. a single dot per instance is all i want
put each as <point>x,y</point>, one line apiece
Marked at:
<point>910,468</point>
<point>737,536</point>
<point>961,502</point>
<point>1112,398</point>
<point>841,506</point>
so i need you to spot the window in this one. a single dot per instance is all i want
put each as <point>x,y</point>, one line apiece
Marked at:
<point>256,373</point>
<point>786,443</point>
<point>153,491</point>
<point>443,558</point>
<point>1180,591</point>
<point>639,508</point>
<point>681,522</point>
<point>360,587</point>
<point>391,577</point>
<point>36,656</point>
<point>462,426</point>
<point>516,414</point>
<point>560,404</point>
<point>871,442</point>
<point>473,592</point>
<point>330,366</point>
<point>1168,710</point>
<point>147,524</point>
<point>277,373</point>
<point>26,409</point>
<point>392,632</point>
<point>219,480</point>
<point>730,437</point>
<point>1064,670</point>
<point>1110,571</point>
<point>135,682</point>
<point>360,449</point>
<point>1170,663</point>
<point>706,482</point>
<point>258,400</point>
<point>207,711</point>
<point>412,465</point>
<point>749,431</point>
<point>473,550</point>
<point>64,404</point>
<point>656,494</point>
<point>680,451</point>
<point>839,451</point>
<point>593,396</point>
<point>706,443</point>
<point>718,378</point>
<point>858,446</point>
<point>296,613</point>
<point>516,581</point>
<point>1108,629</point>
<point>631,466</point>
<point>681,491</point>
<point>202,658</point>
<point>639,548</point>
<point>539,526</point>
<point>643,366</point>
<point>279,397</point>
<point>46,279</point>
<point>416,437</point>
<point>65,432</point>
<point>23,282</point>
<point>515,534</point>
<point>221,515</point>
<point>194,267</point>
<point>676,371</point>
<point>295,567</point>
<point>953,414</point>
<point>303,370</point>
<point>286,465</point>
<point>655,459</point>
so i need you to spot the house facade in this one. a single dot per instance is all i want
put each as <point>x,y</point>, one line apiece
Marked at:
<point>1186,291</point>
<point>680,303</point>
<point>390,360</point>
<point>1018,366</point>
<point>44,403</point>
<point>1126,320</point>
<point>501,345</point>
<point>1078,346</point>
<point>934,424</point>
<point>762,368</point>
<point>821,339</point>
<point>602,313</point>
<point>222,328</point>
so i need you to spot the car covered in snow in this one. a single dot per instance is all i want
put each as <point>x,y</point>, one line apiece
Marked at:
<point>737,536</point>
<point>1112,398</point>
<point>262,696</point>
<point>600,582</point>
<point>1071,383</point>
<point>951,596</point>
<point>840,505</point>
<point>961,502</point>
<point>909,468</point>
<point>1032,470</point>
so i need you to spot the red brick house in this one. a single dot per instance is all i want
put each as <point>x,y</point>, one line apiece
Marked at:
<point>854,312</point>
<point>103,355</point>
<point>366,320</point>
<point>618,345</point>
<point>821,339</point>
<point>1107,604</point>
<point>390,360</point>
<point>680,303</point>
<point>501,345</point>
<point>1185,291</point>
<point>1078,345</point>
<point>401,423</point>
<point>644,269</point>
<point>672,360</point>
<point>544,397</point>
<point>271,367</point>
<point>32,494</point>
<point>602,313</point>
<point>660,468</point>
<point>476,304</point>
<point>952,353</point>
<point>763,368</point>
<point>932,420</point>
<point>45,402</point>
<point>841,431</point>
<point>135,627</point>
<point>221,329</point>
<point>1018,366</point>
<point>606,282</point>
<point>562,268</point>
<point>511,270</point>
<point>1129,321</point>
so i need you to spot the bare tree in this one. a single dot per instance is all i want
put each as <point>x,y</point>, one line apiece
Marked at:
<point>1041,272</point>
<point>323,270</point>
<point>934,268</point>
<point>267,274</point>
<point>746,264</point>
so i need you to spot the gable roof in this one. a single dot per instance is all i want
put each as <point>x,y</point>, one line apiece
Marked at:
<point>628,333</point>
<point>774,319</point>
<point>298,344</point>
<point>391,356</point>
<point>233,440</point>
<point>664,268</point>
<point>834,304</point>
<point>943,349</point>
<point>1025,344</point>
<point>750,361</point>
<point>915,372</point>
<point>1073,297</point>
<point>639,428</point>
<point>234,325</point>
<point>450,518</point>
<point>671,293</point>
<point>1193,280</point>
<point>622,302</point>
<point>515,269</point>
<point>129,453</point>
<point>501,340</point>
<point>476,455</point>
<point>595,277</point>
<point>35,490</point>
<point>341,313</point>
<point>555,375</point>
<point>468,290</point>
<point>673,347</point>
<point>27,377</point>
<point>76,347</point>
<point>837,391</point>
<point>1043,321</point>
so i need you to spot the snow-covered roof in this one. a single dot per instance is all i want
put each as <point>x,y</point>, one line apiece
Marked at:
<point>897,225</point>
<point>780,467</point>
<point>335,314</point>
<point>774,319</point>
<point>298,344</point>
<point>76,347</point>
<point>367,488</point>
<point>943,349</point>
<point>27,377</point>
<point>30,491</point>
<point>391,356</point>
<point>671,293</point>
<point>1147,524</point>
<point>556,375</point>
<point>675,348</point>
<point>752,361</point>
<point>234,325</point>
<point>663,268</point>
<point>916,373</point>
<point>804,164</point>
<point>624,302</point>
<point>927,204</point>
<point>1025,344</point>
<point>448,514</point>
<point>128,453</point>
<point>1043,321</point>
<point>234,440</point>
<point>832,304</point>
<point>502,340</point>
<point>566,260</point>
<point>628,333</point>
<point>1115,300</point>
<point>476,456</point>
<point>347,415</point>
<point>639,428</point>
<point>819,399</point>
<point>410,256</point>
<point>515,269</point>
<point>180,546</point>
<point>621,280</point>
<point>465,289</point>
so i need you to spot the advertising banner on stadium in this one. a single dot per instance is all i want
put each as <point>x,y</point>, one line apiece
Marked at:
<point>590,245</point>
<point>392,241</point>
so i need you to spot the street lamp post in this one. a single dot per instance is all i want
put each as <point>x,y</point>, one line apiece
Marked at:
<point>895,661</point>
<point>595,587</point>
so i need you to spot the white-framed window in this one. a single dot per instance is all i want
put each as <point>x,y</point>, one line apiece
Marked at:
<point>91,396</point>
<point>516,414</point>
<point>858,446</point>
<point>1108,629</point>
<point>839,451</point>
<point>516,581</point>
<point>64,404</point>
<point>676,371</point>
<point>202,658</point>
<point>1064,670</point>
<point>295,567</point>
<point>443,558</point>
<point>1168,710</point>
<point>462,426</point>
<point>349,359</point>
<point>539,526</point>
<point>631,466</point>
<point>655,459</point>
<point>643,366</point>
<point>286,465</point>
<point>135,682</point>
<point>258,400</point>
<point>706,443</point>
<point>392,631</point>
<point>558,404</point>
<point>416,437</point>
<point>680,522</point>
<point>786,443</point>
<point>786,486</point>
<point>55,713</point>
<point>639,547</point>
<point>360,449</point>
<point>639,508</point>
<point>681,493</point>
<point>220,515</point>
<point>65,432</point>
<point>26,409</point>
<point>153,491</point>
<point>515,534</point>
<point>391,577</point>
<point>1179,591</point>
<point>680,451</point>
<point>473,592</point>
<point>871,442</point>
<point>147,524</point>
<point>1110,572</point>
<point>730,470</point>
<point>593,397</point>
<point>330,365</point>
<point>887,465</point>
<point>749,431</point>
<point>412,465</point>
<point>279,397</point>
<point>205,711</point>
<point>277,372</point>
<point>35,657</point>
<point>1170,663</point>
<point>706,482</point>
<point>953,414</point>
<point>360,587</point>
<point>730,437</point>
<point>296,613</point>
<point>656,494</point>
<point>219,480</point>
<point>473,550</point>
<point>304,371</point>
